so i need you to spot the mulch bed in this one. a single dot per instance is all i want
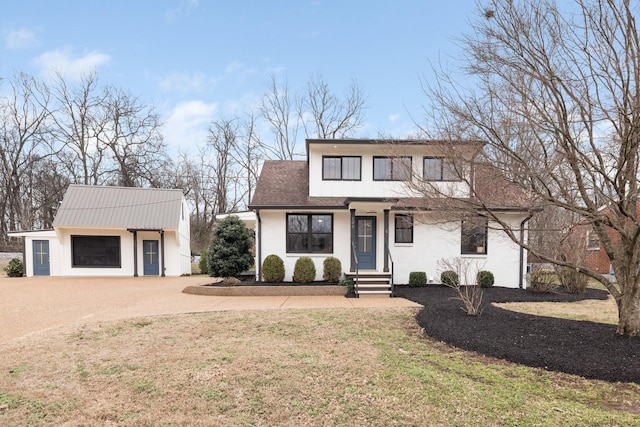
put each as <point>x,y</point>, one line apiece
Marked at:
<point>588,349</point>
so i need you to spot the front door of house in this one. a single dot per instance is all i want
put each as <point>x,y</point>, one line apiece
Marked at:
<point>366,242</point>
<point>41,258</point>
<point>151,258</point>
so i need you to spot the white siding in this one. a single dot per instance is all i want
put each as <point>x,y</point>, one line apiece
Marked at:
<point>367,187</point>
<point>274,234</point>
<point>434,240</point>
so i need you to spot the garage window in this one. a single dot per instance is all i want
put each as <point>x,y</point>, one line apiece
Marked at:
<point>95,251</point>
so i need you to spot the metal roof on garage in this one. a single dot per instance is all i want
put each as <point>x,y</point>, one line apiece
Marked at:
<point>87,206</point>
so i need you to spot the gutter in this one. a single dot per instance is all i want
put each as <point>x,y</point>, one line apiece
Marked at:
<point>522,224</point>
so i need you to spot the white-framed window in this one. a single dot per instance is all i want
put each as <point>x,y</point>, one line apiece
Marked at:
<point>593,240</point>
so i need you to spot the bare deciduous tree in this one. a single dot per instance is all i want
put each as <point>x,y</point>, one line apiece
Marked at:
<point>556,98</point>
<point>25,140</point>
<point>278,110</point>
<point>77,123</point>
<point>329,115</point>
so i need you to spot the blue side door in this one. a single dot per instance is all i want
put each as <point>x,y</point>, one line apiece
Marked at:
<point>366,242</point>
<point>151,258</point>
<point>41,258</point>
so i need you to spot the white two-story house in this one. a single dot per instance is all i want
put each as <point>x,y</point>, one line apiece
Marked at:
<point>357,200</point>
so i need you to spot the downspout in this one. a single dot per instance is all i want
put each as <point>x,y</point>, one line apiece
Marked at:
<point>162,253</point>
<point>259,247</point>
<point>24,257</point>
<point>522,224</point>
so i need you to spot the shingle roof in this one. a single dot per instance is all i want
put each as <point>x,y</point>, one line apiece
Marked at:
<point>119,207</point>
<point>285,184</point>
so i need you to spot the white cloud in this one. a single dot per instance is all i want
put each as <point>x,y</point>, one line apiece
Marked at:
<point>20,39</point>
<point>186,124</point>
<point>62,61</point>
<point>394,117</point>
<point>184,8</point>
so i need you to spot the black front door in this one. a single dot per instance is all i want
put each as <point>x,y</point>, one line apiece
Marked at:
<point>366,242</point>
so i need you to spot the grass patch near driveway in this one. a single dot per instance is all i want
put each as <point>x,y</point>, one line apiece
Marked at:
<point>288,368</point>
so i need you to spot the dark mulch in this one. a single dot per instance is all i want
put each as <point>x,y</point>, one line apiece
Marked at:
<point>588,349</point>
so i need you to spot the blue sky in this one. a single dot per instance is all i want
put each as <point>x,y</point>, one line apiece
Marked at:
<point>199,60</point>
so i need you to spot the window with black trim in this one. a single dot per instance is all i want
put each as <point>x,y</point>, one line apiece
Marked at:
<point>474,235</point>
<point>439,169</point>
<point>341,168</point>
<point>391,168</point>
<point>403,228</point>
<point>95,251</point>
<point>312,233</point>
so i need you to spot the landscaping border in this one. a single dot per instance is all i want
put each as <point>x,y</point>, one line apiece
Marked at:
<point>246,291</point>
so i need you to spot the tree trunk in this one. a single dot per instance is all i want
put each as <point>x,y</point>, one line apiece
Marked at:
<point>629,311</point>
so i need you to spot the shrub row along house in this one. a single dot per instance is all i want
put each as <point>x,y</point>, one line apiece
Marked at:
<point>366,202</point>
<point>112,231</point>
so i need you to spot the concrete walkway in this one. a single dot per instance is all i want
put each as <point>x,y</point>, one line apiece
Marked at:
<point>29,305</point>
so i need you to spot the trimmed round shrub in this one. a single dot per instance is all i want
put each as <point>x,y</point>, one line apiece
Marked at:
<point>485,279</point>
<point>304,270</point>
<point>417,278</point>
<point>273,269</point>
<point>15,268</point>
<point>230,251</point>
<point>331,269</point>
<point>450,278</point>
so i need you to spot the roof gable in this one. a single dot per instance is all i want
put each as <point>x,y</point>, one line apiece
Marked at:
<point>86,206</point>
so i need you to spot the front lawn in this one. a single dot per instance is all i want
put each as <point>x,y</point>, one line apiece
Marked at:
<point>289,368</point>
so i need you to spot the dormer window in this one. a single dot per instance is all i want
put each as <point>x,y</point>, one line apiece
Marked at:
<point>439,169</point>
<point>391,168</point>
<point>341,168</point>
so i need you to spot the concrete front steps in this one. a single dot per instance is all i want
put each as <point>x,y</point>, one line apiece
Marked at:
<point>371,283</point>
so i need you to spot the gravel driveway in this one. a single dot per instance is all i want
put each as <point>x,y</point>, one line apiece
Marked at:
<point>32,304</point>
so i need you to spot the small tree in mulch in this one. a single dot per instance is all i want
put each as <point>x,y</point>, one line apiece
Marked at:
<point>459,276</point>
<point>229,253</point>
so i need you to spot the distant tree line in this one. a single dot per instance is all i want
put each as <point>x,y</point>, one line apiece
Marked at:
<point>79,131</point>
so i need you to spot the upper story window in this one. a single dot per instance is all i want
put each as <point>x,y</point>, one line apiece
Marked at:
<point>391,168</point>
<point>439,169</point>
<point>474,236</point>
<point>593,240</point>
<point>310,233</point>
<point>345,168</point>
<point>403,228</point>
